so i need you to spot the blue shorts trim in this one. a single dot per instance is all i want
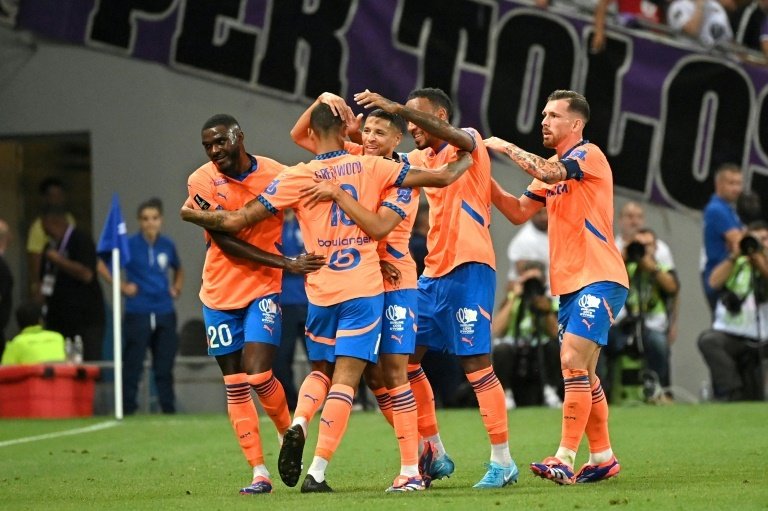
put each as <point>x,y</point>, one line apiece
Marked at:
<point>351,329</point>
<point>590,311</point>
<point>228,330</point>
<point>398,331</point>
<point>455,310</point>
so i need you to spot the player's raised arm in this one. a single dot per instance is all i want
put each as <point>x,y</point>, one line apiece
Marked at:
<point>441,177</point>
<point>339,107</point>
<point>375,224</point>
<point>535,166</point>
<point>436,125</point>
<point>223,220</point>
<point>517,211</point>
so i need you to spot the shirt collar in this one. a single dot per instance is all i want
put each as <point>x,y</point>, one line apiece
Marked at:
<point>332,154</point>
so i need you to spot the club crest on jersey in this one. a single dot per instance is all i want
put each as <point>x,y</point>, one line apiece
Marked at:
<point>588,305</point>
<point>467,318</point>
<point>162,260</point>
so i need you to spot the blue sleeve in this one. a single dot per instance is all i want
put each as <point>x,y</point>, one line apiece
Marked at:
<point>394,208</point>
<point>537,198</point>
<point>265,202</point>
<point>472,132</point>
<point>723,220</point>
<point>572,169</point>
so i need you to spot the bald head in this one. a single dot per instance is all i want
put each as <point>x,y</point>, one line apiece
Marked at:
<point>631,219</point>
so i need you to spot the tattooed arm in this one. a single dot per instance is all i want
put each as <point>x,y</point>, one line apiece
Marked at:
<point>535,166</point>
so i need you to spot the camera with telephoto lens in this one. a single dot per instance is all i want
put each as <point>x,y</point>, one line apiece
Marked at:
<point>635,252</point>
<point>532,288</point>
<point>731,301</point>
<point>749,245</point>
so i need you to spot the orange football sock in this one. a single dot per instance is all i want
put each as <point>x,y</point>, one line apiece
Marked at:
<point>243,417</point>
<point>576,407</point>
<point>597,424</point>
<point>272,398</point>
<point>333,422</point>
<point>490,398</point>
<point>385,403</point>
<point>312,395</point>
<point>406,422</point>
<point>425,400</point>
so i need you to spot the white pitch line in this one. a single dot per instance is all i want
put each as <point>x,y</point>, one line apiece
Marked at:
<point>87,429</point>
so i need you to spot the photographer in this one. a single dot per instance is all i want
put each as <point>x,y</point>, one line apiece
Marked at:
<point>641,328</point>
<point>731,348</point>
<point>526,353</point>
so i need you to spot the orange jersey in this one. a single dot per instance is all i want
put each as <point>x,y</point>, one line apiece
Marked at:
<point>394,248</point>
<point>581,245</point>
<point>352,269</point>
<point>233,283</point>
<point>459,214</point>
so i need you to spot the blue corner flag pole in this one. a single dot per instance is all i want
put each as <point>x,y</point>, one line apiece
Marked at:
<point>114,241</point>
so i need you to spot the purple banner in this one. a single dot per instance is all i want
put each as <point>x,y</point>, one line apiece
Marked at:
<point>666,114</point>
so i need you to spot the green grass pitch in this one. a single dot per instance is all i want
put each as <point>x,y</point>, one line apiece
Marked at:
<point>686,457</point>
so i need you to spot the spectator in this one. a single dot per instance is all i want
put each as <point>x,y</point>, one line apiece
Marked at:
<point>722,226</point>
<point>6,282</point>
<point>731,348</point>
<point>629,12</point>
<point>33,345</point>
<point>293,302</point>
<point>526,353</point>
<point>150,317</point>
<point>631,220</point>
<point>641,328</point>
<point>530,244</point>
<point>706,21</point>
<point>74,304</point>
<point>52,193</point>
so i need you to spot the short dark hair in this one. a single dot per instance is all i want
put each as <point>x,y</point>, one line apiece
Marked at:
<point>323,121</point>
<point>576,102</point>
<point>48,183</point>
<point>758,225</point>
<point>436,96</point>
<point>153,203</point>
<point>394,119</point>
<point>28,314</point>
<point>221,120</point>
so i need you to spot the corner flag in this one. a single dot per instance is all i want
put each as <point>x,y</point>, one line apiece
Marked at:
<point>113,243</point>
<point>114,235</point>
